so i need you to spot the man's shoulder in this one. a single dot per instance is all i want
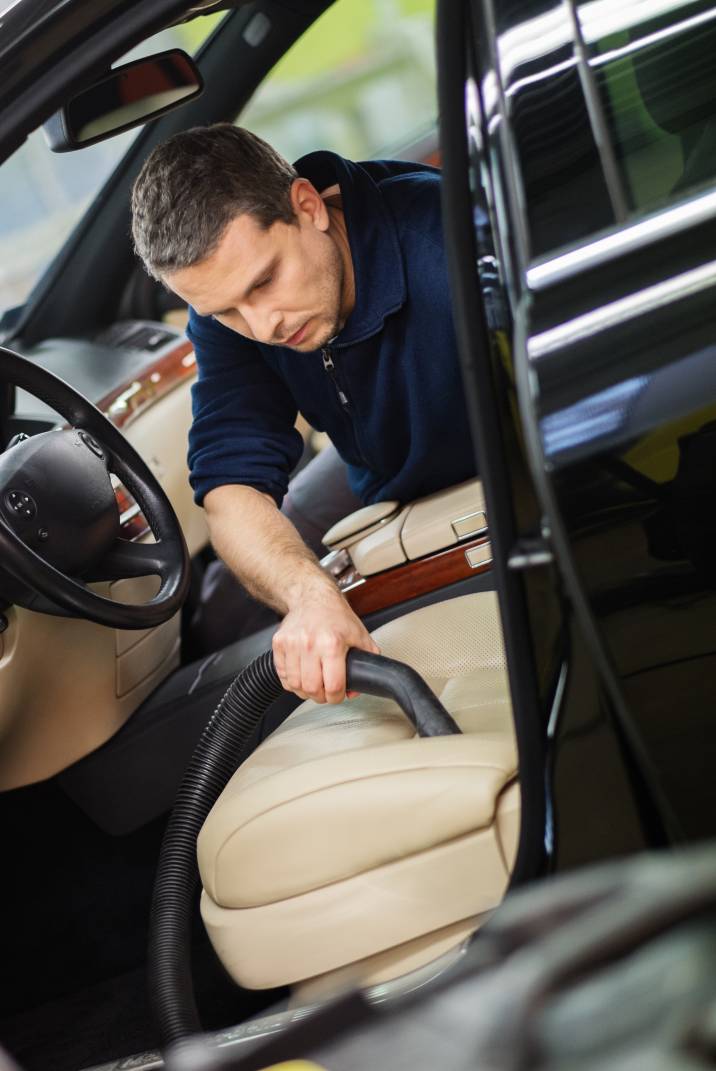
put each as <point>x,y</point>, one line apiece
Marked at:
<point>405,181</point>
<point>413,197</point>
<point>408,189</point>
<point>324,167</point>
<point>389,171</point>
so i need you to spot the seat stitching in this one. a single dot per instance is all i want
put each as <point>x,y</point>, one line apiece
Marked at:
<point>357,780</point>
<point>378,866</point>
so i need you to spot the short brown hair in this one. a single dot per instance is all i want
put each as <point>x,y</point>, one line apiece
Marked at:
<point>193,185</point>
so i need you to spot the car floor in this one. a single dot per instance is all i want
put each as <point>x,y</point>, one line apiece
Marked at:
<point>73,934</point>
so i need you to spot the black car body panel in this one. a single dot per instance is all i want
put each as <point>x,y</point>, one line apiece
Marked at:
<point>598,138</point>
<point>580,752</point>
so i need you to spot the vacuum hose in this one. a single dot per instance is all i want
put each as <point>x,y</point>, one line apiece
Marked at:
<point>223,746</point>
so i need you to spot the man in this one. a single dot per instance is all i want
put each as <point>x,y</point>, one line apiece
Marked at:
<point>320,288</point>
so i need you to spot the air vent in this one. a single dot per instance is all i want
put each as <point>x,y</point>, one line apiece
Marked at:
<point>137,336</point>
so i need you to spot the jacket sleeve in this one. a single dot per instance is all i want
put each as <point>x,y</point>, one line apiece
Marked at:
<point>243,415</point>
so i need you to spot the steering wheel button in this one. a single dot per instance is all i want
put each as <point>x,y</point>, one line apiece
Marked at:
<point>20,504</point>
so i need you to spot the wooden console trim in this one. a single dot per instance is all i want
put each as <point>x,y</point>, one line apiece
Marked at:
<point>366,594</point>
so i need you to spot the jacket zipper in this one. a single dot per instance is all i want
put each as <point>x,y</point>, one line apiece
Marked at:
<point>330,370</point>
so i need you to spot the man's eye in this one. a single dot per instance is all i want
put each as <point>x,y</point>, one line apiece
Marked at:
<point>263,282</point>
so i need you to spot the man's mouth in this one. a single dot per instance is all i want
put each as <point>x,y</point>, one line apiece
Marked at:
<point>297,337</point>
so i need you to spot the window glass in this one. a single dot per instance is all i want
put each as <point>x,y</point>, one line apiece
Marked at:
<point>360,81</point>
<point>44,194</point>
<point>657,82</point>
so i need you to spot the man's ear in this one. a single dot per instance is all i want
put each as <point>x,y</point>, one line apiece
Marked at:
<point>308,204</point>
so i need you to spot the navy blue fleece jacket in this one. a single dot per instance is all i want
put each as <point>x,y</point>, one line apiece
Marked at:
<point>402,426</point>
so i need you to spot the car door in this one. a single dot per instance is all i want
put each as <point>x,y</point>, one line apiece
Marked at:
<point>596,123</point>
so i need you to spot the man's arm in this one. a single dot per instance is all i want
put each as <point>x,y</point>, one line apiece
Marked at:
<point>266,553</point>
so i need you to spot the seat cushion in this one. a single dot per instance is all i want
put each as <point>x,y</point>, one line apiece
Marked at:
<point>344,820</point>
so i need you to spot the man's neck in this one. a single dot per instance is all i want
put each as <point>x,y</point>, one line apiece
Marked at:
<point>332,196</point>
<point>338,230</point>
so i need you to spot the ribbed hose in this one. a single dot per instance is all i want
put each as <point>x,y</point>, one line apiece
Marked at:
<point>222,747</point>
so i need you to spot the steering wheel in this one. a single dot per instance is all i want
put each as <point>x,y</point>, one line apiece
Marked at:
<point>59,519</point>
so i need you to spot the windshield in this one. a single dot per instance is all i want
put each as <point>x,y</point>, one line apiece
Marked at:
<point>44,194</point>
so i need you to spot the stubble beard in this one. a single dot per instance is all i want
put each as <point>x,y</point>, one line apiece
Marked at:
<point>331,298</point>
<point>325,337</point>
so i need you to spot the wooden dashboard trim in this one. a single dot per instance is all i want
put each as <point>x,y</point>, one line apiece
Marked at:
<point>128,400</point>
<point>366,594</point>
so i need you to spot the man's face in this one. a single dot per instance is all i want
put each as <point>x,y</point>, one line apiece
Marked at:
<point>285,286</point>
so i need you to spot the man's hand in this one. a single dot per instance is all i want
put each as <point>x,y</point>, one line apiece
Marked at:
<point>311,644</point>
<point>277,567</point>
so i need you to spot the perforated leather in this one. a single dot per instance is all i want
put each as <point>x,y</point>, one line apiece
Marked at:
<point>448,639</point>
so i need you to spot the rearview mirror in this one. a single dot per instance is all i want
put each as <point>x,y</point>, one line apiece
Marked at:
<point>128,96</point>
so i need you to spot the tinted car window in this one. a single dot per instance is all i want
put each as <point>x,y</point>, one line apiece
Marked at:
<point>535,100</point>
<point>657,84</point>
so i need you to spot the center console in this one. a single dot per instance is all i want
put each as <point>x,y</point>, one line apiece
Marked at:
<point>386,553</point>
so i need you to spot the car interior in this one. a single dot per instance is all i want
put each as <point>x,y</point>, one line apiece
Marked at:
<point>346,849</point>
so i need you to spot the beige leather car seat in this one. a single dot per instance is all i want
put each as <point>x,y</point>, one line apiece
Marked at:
<point>346,841</point>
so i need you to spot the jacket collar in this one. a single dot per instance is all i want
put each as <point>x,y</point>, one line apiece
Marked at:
<point>377,259</point>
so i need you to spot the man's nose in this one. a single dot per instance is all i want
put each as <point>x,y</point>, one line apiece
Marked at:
<point>264,323</point>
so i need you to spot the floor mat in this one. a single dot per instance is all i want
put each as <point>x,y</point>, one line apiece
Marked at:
<point>97,1024</point>
<point>112,1019</point>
